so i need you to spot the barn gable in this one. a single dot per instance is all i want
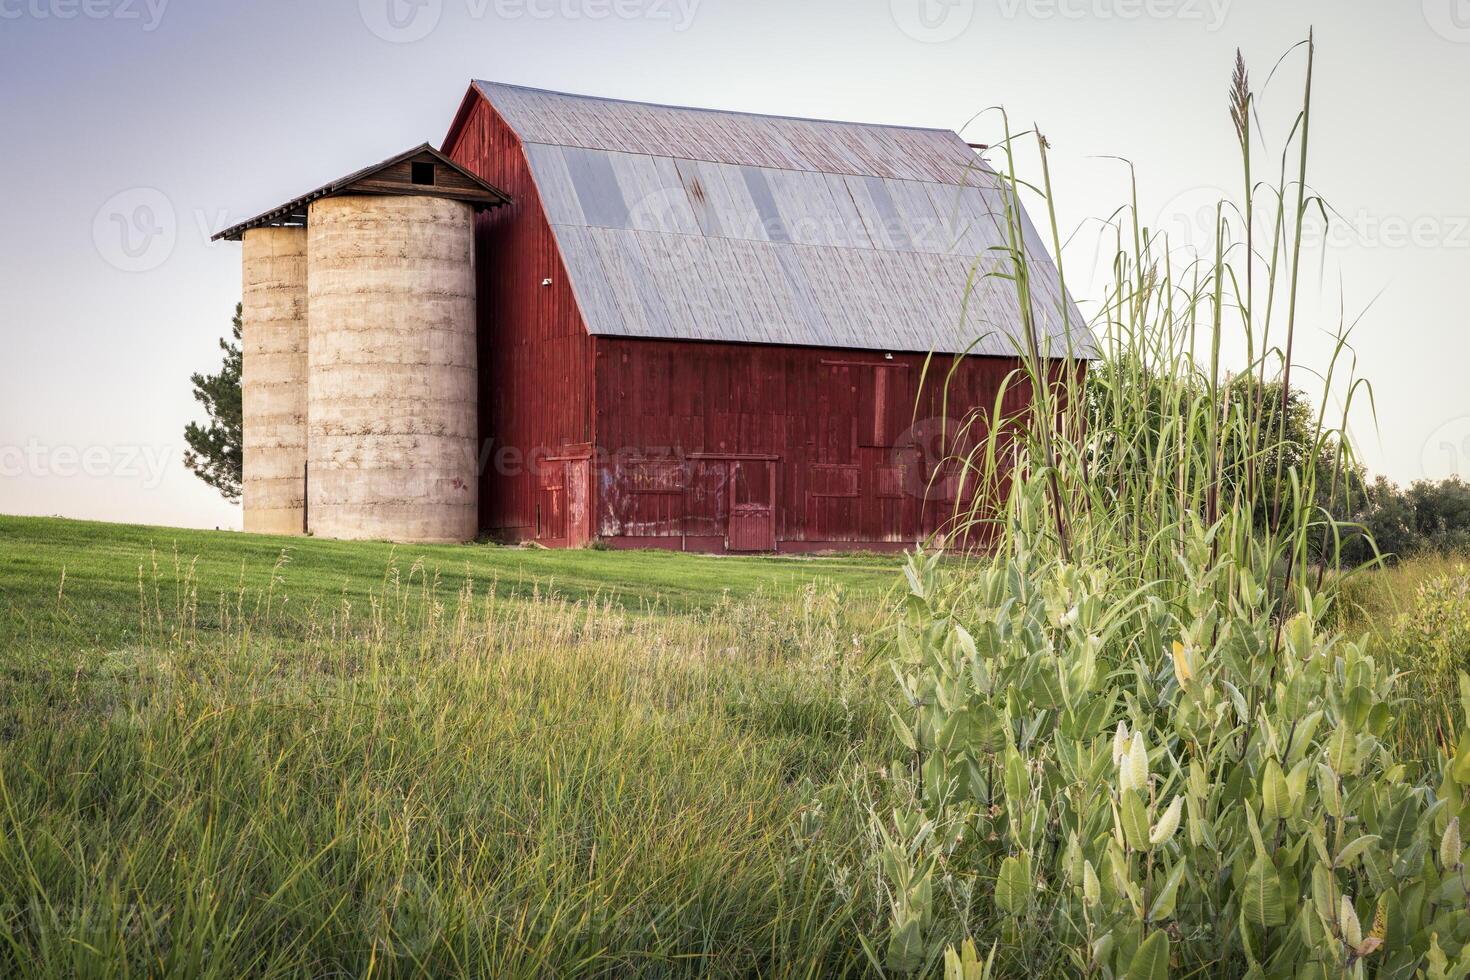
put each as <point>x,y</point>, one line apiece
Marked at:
<point>695,224</point>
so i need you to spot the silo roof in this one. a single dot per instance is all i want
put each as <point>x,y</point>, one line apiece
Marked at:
<point>392,176</point>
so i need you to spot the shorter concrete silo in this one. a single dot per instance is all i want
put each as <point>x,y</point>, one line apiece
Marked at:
<point>393,387</point>
<point>273,379</point>
<point>360,379</point>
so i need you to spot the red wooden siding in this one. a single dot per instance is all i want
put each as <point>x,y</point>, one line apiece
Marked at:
<point>535,354</point>
<point>684,444</point>
<point>680,423</point>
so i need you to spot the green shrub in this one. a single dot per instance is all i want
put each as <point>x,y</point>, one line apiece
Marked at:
<point>1418,614</point>
<point>1435,632</point>
<point>1430,516</point>
<point>1147,786</point>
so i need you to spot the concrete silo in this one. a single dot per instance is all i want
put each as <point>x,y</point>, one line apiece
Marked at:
<point>392,391</point>
<point>273,382</point>
<point>360,384</point>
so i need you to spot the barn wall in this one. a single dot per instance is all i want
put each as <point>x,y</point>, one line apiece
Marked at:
<point>659,442</point>
<point>853,460</point>
<point>534,350</point>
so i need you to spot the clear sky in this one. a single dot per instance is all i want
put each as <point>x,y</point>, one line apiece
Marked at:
<point>135,128</point>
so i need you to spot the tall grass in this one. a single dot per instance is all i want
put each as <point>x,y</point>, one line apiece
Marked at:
<point>1135,746</point>
<point>1417,612</point>
<point>439,783</point>
<point>1161,434</point>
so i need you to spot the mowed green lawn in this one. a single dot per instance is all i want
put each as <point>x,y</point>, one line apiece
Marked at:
<point>592,763</point>
<point>86,582</point>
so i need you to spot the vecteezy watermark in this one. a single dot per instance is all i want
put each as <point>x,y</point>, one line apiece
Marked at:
<point>1450,19</point>
<point>1210,13</point>
<point>100,922</point>
<point>403,916</point>
<point>146,464</point>
<point>932,21</point>
<point>679,14</point>
<point>401,21</point>
<point>1365,229</point>
<point>932,459</point>
<point>147,13</point>
<point>1188,221</point>
<point>928,462</point>
<point>1447,450</point>
<point>136,229</point>
<point>406,21</point>
<point>677,243</point>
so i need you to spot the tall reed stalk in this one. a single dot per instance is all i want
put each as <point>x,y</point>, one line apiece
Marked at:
<point>1148,431</point>
<point>1134,751</point>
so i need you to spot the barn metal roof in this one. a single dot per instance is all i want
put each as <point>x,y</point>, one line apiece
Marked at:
<point>700,224</point>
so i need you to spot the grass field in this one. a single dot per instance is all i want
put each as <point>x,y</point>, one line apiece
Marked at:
<point>84,582</point>
<point>367,761</point>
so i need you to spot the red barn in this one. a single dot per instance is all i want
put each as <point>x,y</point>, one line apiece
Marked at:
<point>718,331</point>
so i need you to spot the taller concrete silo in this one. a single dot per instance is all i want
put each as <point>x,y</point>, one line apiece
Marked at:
<point>273,379</point>
<point>392,392</point>
<point>361,331</point>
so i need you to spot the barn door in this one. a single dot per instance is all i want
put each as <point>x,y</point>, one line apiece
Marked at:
<point>579,513</point>
<point>752,506</point>
<point>551,509</point>
<point>565,511</point>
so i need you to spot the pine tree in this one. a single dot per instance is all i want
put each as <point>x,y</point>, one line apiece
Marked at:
<point>215,452</point>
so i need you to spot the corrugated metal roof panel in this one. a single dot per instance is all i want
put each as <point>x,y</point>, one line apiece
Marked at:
<point>555,187</point>
<point>703,225</point>
<point>738,138</point>
<point>649,284</point>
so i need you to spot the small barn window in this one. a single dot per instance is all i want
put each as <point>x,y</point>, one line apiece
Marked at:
<point>421,172</point>
<point>886,405</point>
<point>832,480</point>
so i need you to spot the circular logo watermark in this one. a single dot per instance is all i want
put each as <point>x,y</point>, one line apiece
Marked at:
<point>404,917</point>
<point>677,243</point>
<point>1188,221</point>
<point>136,229</point>
<point>1447,450</point>
<point>932,21</point>
<point>401,21</point>
<point>927,462</point>
<point>1450,19</point>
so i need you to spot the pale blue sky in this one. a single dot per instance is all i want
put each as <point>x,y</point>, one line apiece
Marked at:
<point>182,117</point>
